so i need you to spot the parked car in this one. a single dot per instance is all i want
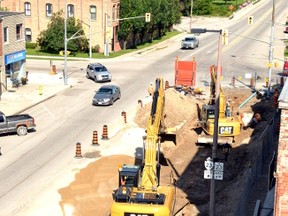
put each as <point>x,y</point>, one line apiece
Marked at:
<point>20,124</point>
<point>190,42</point>
<point>98,73</point>
<point>107,95</point>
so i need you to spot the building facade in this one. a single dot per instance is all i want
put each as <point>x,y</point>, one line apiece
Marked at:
<point>12,49</point>
<point>96,16</point>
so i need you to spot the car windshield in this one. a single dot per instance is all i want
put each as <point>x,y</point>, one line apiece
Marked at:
<point>189,39</point>
<point>105,91</point>
<point>100,69</point>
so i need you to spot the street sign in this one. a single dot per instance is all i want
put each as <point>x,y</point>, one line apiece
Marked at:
<point>218,166</point>
<point>208,164</point>
<point>208,174</point>
<point>218,175</point>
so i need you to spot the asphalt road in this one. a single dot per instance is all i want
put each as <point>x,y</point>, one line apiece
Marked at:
<point>42,162</point>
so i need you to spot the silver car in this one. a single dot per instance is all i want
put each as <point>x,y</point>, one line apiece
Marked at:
<point>107,95</point>
<point>98,73</point>
<point>190,42</point>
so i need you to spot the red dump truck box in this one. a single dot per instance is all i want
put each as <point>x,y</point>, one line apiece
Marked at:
<point>185,73</point>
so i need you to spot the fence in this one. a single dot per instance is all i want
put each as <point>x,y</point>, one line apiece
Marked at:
<point>267,145</point>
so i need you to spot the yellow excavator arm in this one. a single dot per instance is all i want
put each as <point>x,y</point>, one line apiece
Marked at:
<point>149,176</point>
<point>140,193</point>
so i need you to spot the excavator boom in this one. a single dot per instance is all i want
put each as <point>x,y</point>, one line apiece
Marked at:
<point>140,193</point>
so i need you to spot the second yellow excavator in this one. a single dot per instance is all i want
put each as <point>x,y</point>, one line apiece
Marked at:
<point>229,124</point>
<point>139,192</point>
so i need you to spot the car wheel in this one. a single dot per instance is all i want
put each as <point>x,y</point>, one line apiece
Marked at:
<point>112,102</point>
<point>119,96</point>
<point>22,130</point>
<point>95,79</point>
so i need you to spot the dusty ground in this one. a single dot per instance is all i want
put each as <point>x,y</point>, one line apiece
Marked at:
<point>91,191</point>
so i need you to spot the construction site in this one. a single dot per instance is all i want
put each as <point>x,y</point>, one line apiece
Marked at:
<point>179,162</point>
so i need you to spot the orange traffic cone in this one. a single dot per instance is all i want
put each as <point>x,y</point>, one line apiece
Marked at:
<point>95,138</point>
<point>105,132</point>
<point>78,150</point>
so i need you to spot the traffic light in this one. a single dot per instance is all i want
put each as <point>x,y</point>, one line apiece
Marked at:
<point>250,20</point>
<point>225,37</point>
<point>147,17</point>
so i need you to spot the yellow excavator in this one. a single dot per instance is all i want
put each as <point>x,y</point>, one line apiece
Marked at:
<point>139,192</point>
<point>229,126</point>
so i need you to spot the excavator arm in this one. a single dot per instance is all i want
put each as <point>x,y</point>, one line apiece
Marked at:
<point>151,144</point>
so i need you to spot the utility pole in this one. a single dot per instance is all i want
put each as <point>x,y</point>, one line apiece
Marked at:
<point>90,39</point>
<point>191,11</point>
<point>271,49</point>
<point>65,44</point>
<point>216,119</point>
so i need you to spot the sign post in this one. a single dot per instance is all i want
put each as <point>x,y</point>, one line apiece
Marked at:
<point>214,170</point>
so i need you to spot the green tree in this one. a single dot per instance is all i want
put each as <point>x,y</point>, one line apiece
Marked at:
<point>52,39</point>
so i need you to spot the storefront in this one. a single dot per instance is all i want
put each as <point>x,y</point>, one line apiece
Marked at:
<point>14,67</point>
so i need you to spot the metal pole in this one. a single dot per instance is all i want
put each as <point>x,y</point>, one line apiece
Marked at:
<point>90,41</point>
<point>271,49</point>
<point>65,44</point>
<point>215,135</point>
<point>191,11</point>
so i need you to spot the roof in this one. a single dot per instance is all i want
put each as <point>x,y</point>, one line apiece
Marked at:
<point>9,13</point>
<point>283,97</point>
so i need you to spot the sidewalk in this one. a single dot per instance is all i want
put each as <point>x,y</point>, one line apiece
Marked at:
<point>40,87</point>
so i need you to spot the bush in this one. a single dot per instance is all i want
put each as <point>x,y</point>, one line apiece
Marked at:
<point>96,48</point>
<point>30,45</point>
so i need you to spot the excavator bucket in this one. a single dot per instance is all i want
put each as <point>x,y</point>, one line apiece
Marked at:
<point>169,135</point>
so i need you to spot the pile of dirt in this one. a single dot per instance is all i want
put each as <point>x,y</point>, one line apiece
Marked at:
<point>93,186</point>
<point>186,160</point>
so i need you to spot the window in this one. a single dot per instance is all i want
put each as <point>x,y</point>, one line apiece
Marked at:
<point>70,10</point>
<point>114,11</point>
<point>93,12</point>
<point>19,33</point>
<point>28,35</point>
<point>48,10</point>
<point>27,9</point>
<point>118,11</point>
<point>6,35</point>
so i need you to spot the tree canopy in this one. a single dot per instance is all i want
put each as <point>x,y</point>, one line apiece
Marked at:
<point>52,39</point>
<point>164,13</point>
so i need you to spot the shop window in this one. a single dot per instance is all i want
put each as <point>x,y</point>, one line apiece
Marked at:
<point>6,34</point>
<point>70,10</point>
<point>19,31</point>
<point>28,35</point>
<point>27,9</point>
<point>93,11</point>
<point>49,10</point>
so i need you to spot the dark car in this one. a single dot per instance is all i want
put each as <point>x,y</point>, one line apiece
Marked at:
<point>107,95</point>
<point>98,72</point>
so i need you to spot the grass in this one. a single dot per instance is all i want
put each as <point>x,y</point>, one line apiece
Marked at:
<point>36,52</point>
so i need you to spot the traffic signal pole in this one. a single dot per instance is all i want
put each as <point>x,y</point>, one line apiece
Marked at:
<point>271,49</point>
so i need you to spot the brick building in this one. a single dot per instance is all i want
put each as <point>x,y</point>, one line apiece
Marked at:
<point>281,189</point>
<point>99,13</point>
<point>12,49</point>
